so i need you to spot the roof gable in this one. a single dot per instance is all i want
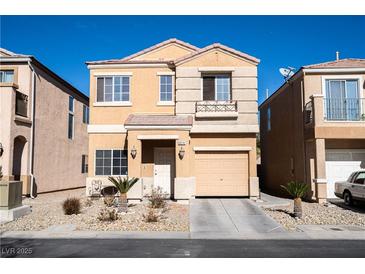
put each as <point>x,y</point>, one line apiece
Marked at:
<point>165,51</point>
<point>218,48</point>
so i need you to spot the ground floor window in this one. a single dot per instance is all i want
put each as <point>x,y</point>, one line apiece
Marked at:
<point>111,162</point>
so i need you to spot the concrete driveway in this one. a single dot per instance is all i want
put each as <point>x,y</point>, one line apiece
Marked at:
<point>229,216</point>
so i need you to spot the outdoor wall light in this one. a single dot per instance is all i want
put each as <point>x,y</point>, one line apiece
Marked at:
<point>1,149</point>
<point>134,152</point>
<point>181,152</point>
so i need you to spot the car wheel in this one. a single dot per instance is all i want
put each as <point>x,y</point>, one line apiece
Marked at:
<point>347,198</point>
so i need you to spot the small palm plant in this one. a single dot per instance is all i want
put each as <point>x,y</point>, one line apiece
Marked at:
<point>123,184</point>
<point>297,190</point>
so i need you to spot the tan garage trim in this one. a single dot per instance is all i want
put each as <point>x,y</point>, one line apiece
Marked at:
<point>223,173</point>
<point>222,148</point>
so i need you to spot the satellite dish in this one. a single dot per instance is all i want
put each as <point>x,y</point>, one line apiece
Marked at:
<point>287,72</point>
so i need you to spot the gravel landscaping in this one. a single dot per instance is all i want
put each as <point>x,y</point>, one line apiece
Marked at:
<point>47,211</point>
<point>316,214</point>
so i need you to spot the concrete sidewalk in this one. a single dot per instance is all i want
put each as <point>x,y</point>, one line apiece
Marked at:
<point>309,233</point>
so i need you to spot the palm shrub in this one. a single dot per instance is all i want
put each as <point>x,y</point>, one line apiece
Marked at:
<point>123,184</point>
<point>297,190</point>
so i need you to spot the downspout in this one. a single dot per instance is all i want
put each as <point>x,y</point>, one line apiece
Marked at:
<point>31,147</point>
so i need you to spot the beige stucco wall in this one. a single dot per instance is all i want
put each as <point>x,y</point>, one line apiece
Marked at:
<point>292,144</point>
<point>243,85</point>
<point>57,161</point>
<point>144,95</point>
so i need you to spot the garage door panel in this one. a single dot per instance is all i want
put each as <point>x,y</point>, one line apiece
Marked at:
<point>221,174</point>
<point>340,163</point>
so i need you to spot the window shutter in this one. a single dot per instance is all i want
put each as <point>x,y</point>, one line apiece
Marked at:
<point>100,90</point>
<point>208,88</point>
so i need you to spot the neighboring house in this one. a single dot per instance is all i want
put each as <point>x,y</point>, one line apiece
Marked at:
<point>313,127</point>
<point>43,126</point>
<point>175,116</point>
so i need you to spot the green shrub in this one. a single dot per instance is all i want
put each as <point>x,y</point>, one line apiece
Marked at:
<point>71,206</point>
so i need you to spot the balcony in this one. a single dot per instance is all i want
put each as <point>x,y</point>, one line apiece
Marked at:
<point>349,109</point>
<point>218,109</point>
<point>21,104</point>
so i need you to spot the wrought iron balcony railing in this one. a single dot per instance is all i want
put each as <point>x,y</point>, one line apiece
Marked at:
<point>348,109</point>
<point>216,106</point>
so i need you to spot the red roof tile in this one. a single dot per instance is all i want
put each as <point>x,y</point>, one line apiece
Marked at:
<point>342,63</point>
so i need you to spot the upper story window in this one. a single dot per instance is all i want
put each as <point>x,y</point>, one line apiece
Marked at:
<point>342,99</point>
<point>268,119</point>
<point>6,76</point>
<point>113,89</point>
<point>216,88</point>
<point>85,114</point>
<point>165,88</point>
<point>71,113</point>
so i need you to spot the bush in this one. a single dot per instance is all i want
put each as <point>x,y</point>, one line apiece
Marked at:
<point>71,206</point>
<point>108,215</point>
<point>158,198</point>
<point>151,216</point>
<point>109,200</point>
<point>88,202</point>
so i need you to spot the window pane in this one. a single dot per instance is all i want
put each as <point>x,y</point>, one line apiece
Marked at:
<point>70,103</point>
<point>100,90</point>
<point>99,171</point>
<point>117,81</point>
<point>107,171</point>
<point>351,89</point>
<point>169,80</point>
<point>70,126</point>
<point>108,81</point>
<point>99,162</point>
<point>124,171</point>
<point>8,76</point>
<point>168,97</point>
<point>116,162</point>
<point>116,153</point>
<point>125,81</point>
<point>99,153</point>
<point>107,153</point>
<point>125,97</point>
<point>124,162</point>
<point>116,171</point>
<point>117,93</point>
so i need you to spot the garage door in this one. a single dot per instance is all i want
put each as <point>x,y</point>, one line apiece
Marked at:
<point>340,163</point>
<point>221,173</point>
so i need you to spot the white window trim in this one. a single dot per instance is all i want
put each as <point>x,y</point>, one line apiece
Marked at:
<point>166,103</point>
<point>360,90</point>
<point>165,73</point>
<point>108,74</point>
<point>112,103</point>
<point>216,77</point>
<point>112,161</point>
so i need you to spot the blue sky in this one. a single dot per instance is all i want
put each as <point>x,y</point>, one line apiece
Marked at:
<point>64,43</point>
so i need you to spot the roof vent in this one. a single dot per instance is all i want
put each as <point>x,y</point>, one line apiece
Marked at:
<point>337,55</point>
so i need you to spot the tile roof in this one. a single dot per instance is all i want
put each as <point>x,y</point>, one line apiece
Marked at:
<point>127,59</point>
<point>342,63</point>
<point>218,46</point>
<point>158,120</point>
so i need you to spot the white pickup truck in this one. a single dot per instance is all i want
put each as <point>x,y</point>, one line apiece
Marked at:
<point>352,189</point>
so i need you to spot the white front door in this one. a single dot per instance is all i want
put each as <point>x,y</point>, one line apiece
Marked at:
<point>340,163</point>
<point>164,168</point>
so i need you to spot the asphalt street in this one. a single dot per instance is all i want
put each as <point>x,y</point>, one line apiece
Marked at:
<point>177,248</point>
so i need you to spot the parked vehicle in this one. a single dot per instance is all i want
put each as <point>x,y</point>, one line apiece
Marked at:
<point>353,188</point>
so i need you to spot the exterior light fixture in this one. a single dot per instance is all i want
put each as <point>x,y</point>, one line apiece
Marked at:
<point>1,149</point>
<point>181,152</point>
<point>134,152</point>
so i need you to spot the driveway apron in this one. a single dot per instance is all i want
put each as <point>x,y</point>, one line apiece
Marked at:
<point>229,216</point>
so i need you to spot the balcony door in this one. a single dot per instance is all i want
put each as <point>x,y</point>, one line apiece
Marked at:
<point>342,100</point>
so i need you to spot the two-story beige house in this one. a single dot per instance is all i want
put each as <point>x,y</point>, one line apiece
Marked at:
<point>313,127</point>
<point>43,126</point>
<point>178,117</point>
